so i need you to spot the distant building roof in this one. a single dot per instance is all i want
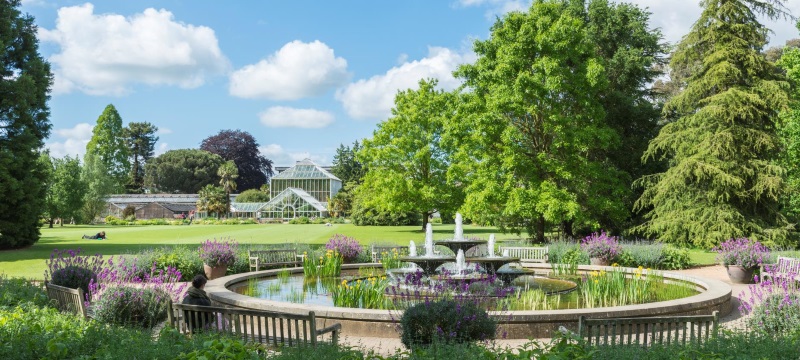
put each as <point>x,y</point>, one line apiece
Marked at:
<point>158,198</point>
<point>305,169</point>
<point>306,197</point>
<point>179,207</point>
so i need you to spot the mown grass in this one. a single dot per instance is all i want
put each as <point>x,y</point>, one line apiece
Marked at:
<point>30,262</point>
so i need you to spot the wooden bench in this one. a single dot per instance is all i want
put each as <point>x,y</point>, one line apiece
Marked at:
<point>526,255</point>
<point>273,258</point>
<point>379,250</point>
<point>786,267</point>
<point>645,331</point>
<point>262,326</point>
<point>67,299</point>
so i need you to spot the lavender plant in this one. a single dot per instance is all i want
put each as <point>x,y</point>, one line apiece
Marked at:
<point>743,252</point>
<point>218,253</point>
<point>600,245</point>
<point>132,306</point>
<point>773,303</point>
<point>68,268</point>
<point>447,321</point>
<point>347,247</point>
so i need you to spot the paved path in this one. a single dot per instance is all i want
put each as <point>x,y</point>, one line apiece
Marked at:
<point>732,321</point>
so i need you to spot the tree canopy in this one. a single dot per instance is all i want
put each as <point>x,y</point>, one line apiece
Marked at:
<point>108,143</point>
<point>722,181</point>
<point>184,171</point>
<point>65,188</point>
<point>140,138</point>
<point>25,80</point>
<point>241,148</point>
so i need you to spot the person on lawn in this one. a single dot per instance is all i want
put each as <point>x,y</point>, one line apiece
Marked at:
<point>99,236</point>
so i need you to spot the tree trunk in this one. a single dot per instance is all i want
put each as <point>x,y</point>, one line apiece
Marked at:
<point>566,226</point>
<point>51,223</point>
<point>425,215</point>
<point>540,230</point>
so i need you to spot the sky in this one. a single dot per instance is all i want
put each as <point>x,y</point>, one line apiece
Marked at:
<point>301,76</point>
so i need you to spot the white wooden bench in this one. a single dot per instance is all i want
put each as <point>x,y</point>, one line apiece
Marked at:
<point>273,258</point>
<point>67,299</point>
<point>262,326</point>
<point>526,254</point>
<point>786,267</point>
<point>646,331</point>
<point>378,251</point>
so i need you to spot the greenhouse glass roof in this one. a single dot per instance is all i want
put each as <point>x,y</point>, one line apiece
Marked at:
<point>305,169</point>
<point>246,207</point>
<point>306,197</point>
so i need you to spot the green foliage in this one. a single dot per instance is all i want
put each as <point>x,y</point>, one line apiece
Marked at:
<point>184,171</point>
<point>25,80</point>
<point>778,313</point>
<point>445,321</point>
<point>131,306</point>
<point>99,186</point>
<point>140,138</point>
<point>674,258</point>
<point>253,196</point>
<point>224,348</point>
<point>228,173</point>
<point>346,166</point>
<point>129,211</point>
<point>364,215</point>
<point>213,200</point>
<point>182,258</point>
<point>241,148</point>
<point>109,147</point>
<point>722,181</point>
<point>405,159</point>
<point>300,220</point>
<point>565,252</point>
<point>533,129</point>
<point>65,189</point>
<point>16,291</point>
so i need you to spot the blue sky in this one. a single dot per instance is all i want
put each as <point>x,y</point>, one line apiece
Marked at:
<point>301,76</point>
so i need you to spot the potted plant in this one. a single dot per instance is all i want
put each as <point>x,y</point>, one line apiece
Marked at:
<point>216,256</point>
<point>741,257</point>
<point>602,249</point>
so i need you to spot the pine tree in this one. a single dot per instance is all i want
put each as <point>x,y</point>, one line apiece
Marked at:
<point>721,181</point>
<point>25,81</point>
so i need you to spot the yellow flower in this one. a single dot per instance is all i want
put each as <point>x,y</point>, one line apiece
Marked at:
<point>614,265</point>
<point>640,267</point>
<point>596,281</point>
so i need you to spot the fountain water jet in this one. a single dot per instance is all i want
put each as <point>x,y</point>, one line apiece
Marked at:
<point>412,249</point>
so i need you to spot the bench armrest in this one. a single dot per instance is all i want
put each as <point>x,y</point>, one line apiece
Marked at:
<point>334,327</point>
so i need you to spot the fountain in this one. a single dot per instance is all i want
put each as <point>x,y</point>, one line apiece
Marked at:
<point>412,249</point>
<point>429,261</point>
<point>490,246</point>
<point>461,263</point>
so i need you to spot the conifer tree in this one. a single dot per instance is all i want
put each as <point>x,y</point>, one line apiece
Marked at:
<point>721,180</point>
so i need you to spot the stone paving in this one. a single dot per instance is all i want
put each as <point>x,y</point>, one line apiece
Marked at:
<point>734,320</point>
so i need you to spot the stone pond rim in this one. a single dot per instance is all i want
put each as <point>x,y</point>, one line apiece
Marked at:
<point>714,295</point>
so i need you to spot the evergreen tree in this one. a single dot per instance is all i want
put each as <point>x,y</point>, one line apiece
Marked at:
<point>140,138</point>
<point>65,189</point>
<point>108,143</point>
<point>722,181</point>
<point>25,80</point>
<point>346,166</point>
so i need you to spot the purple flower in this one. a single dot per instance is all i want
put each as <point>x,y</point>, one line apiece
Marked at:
<point>216,253</point>
<point>743,252</point>
<point>600,245</point>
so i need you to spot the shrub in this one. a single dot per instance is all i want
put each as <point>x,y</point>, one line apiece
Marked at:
<point>68,268</point>
<point>129,212</point>
<point>347,247</point>
<point>445,321</point>
<point>743,252</point>
<point>15,291</point>
<point>218,253</point>
<point>132,306</point>
<point>111,219</point>
<point>674,258</point>
<point>121,273</point>
<point>367,216</point>
<point>180,258</point>
<point>564,252</point>
<point>645,255</point>
<point>777,314</point>
<point>601,246</point>
<point>300,220</point>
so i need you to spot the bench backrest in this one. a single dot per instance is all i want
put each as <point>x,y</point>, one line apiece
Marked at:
<point>379,251</point>
<point>648,330</point>
<point>263,326</point>
<point>274,256</point>
<point>526,254</point>
<point>67,299</point>
<point>787,265</point>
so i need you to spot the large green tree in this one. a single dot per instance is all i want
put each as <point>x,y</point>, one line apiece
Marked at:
<point>351,171</point>
<point>65,190</point>
<point>212,199</point>
<point>109,145</point>
<point>407,165</point>
<point>722,181</point>
<point>140,138</point>
<point>25,80</point>
<point>241,148</point>
<point>789,132</point>
<point>532,131</point>
<point>183,171</point>
<point>228,173</point>
<point>98,186</point>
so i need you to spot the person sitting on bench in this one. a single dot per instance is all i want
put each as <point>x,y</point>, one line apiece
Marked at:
<point>99,236</point>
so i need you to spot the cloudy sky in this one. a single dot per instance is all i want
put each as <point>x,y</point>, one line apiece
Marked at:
<point>301,76</point>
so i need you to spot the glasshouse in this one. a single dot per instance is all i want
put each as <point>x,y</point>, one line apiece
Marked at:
<point>302,190</point>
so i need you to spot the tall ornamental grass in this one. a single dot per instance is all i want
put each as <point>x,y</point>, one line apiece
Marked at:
<point>327,265</point>
<point>614,288</point>
<point>369,293</point>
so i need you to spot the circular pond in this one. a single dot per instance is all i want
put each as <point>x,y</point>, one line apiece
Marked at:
<point>713,295</point>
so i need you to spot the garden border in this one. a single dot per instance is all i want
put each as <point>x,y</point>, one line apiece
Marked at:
<point>715,296</point>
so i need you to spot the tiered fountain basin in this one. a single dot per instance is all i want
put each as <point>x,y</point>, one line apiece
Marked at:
<point>714,296</point>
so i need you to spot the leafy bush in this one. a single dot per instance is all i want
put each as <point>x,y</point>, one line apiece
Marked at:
<point>346,246</point>
<point>445,321</point>
<point>364,216</point>
<point>132,306</point>
<point>111,218</point>
<point>565,252</point>
<point>129,212</point>
<point>216,253</point>
<point>777,314</point>
<point>602,246</point>
<point>180,258</point>
<point>68,268</point>
<point>300,220</point>
<point>743,252</point>
<point>15,291</point>
<point>674,258</point>
<point>224,348</point>
<point>645,255</point>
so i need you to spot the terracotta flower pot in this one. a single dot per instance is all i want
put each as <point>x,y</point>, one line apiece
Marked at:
<point>598,261</point>
<point>740,275</point>
<point>215,272</point>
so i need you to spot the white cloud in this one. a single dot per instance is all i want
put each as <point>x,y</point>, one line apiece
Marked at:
<point>281,116</point>
<point>103,54</point>
<point>162,148</point>
<point>163,131</point>
<point>373,98</point>
<point>74,141</point>
<point>497,7</point>
<point>295,71</point>
<point>281,157</point>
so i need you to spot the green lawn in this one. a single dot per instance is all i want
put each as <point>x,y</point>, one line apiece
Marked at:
<point>703,257</point>
<point>30,262</point>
